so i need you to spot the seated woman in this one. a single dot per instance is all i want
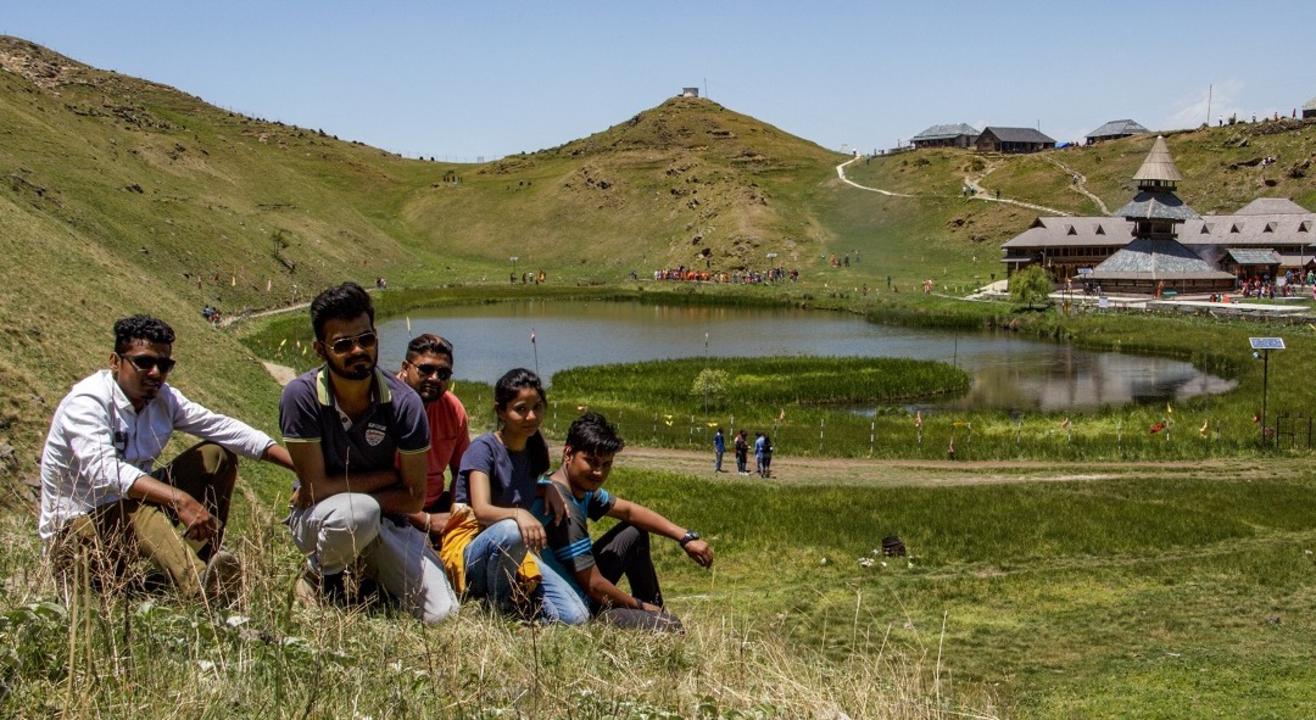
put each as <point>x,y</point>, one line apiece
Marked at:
<point>595,568</point>
<point>498,481</point>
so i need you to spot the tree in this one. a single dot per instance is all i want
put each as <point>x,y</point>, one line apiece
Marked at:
<point>711,385</point>
<point>1031,287</point>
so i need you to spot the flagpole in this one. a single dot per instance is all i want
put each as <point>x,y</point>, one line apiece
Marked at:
<point>535,346</point>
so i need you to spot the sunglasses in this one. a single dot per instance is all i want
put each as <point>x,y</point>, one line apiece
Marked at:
<point>145,363</point>
<point>365,341</point>
<point>438,371</point>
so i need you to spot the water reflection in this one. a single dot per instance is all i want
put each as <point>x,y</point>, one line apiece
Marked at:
<point>1008,372</point>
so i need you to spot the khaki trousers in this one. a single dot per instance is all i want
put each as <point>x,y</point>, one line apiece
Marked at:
<point>116,539</point>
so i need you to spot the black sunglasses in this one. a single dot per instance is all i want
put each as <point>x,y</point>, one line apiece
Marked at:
<point>146,362</point>
<point>442,373</point>
<point>365,341</point>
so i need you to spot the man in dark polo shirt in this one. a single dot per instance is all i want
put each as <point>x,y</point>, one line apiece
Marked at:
<point>358,438</point>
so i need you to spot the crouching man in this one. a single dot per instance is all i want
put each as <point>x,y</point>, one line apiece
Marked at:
<point>104,507</point>
<point>596,568</point>
<point>359,440</point>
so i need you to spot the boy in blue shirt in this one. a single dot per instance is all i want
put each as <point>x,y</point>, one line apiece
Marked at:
<point>595,567</point>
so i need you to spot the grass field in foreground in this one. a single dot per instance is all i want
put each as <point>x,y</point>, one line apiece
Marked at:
<point>1165,593</point>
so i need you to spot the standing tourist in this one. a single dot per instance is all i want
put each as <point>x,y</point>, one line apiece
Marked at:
<point>102,500</point>
<point>758,454</point>
<point>359,439</point>
<point>719,449</point>
<point>742,453</point>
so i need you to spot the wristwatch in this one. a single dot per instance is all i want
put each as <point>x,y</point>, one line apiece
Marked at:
<point>688,536</point>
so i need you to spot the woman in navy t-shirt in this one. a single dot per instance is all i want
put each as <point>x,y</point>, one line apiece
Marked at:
<point>499,480</point>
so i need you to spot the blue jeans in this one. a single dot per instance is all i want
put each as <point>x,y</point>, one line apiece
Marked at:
<point>492,560</point>
<point>562,600</point>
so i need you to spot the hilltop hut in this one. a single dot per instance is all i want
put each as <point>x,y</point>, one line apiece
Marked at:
<point>1309,110</point>
<point>1013,140</point>
<point>957,135</point>
<point>1155,260</point>
<point>690,92</point>
<point>1114,130</point>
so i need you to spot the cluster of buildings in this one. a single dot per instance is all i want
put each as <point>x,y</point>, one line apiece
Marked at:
<point>1013,139</point>
<point>1157,242</point>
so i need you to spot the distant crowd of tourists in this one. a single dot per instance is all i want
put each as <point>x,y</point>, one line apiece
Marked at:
<point>734,277</point>
<point>762,452</point>
<point>371,510</point>
<point>1290,284</point>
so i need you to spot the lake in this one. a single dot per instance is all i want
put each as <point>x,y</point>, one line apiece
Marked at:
<point>1009,372</point>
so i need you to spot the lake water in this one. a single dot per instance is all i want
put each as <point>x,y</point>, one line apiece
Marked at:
<point>1009,373</point>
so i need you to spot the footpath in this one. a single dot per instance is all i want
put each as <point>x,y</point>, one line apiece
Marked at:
<point>980,193</point>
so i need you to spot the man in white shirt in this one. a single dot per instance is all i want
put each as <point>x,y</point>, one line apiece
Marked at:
<point>103,507</point>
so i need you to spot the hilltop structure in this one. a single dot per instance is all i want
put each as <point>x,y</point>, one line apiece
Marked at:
<point>1013,140</point>
<point>1158,241</point>
<point>957,135</point>
<point>1309,110</point>
<point>1114,130</point>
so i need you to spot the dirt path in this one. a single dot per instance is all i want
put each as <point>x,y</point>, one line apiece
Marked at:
<point>933,473</point>
<point>981,193</point>
<point>1080,184</point>
<point>840,173</point>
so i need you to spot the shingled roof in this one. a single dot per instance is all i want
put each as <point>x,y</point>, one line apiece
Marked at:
<point>1156,259</point>
<point>946,132</point>
<point>1018,135</point>
<point>1154,205</point>
<point>1118,128</point>
<point>1159,165</point>
<point>1272,206</point>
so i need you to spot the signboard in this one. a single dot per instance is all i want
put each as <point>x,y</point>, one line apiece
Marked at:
<point>1267,343</point>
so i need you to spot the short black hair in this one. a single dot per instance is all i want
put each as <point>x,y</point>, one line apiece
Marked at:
<point>431,344</point>
<point>141,327</point>
<point>343,302</point>
<point>592,433</point>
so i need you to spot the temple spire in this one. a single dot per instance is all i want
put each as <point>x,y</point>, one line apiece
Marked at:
<point>1158,170</point>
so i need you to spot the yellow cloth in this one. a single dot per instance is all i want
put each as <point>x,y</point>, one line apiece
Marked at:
<point>459,532</point>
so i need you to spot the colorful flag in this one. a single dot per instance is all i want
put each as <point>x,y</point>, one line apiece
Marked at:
<point>1157,427</point>
<point>1206,424</point>
<point>918,419</point>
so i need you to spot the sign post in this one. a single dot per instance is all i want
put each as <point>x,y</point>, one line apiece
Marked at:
<point>1261,347</point>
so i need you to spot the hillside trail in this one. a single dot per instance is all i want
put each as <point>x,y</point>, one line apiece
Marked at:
<point>969,180</point>
<point>1079,184</point>
<point>981,193</point>
<point>840,173</point>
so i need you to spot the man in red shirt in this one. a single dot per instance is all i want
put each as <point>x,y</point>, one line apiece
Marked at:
<point>428,370</point>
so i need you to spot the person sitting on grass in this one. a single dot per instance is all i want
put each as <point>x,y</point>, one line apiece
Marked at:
<point>427,369</point>
<point>359,439</point>
<point>497,485</point>
<point>595,568</point>
<point>101,501</point>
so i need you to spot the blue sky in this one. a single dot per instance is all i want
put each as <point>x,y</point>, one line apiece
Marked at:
<point>487,79</point>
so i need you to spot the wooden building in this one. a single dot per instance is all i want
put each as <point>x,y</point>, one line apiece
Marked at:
<point>957,135</point>
<point>1157,239</point>
<point>1013,140</point>
<point>1114,130</point>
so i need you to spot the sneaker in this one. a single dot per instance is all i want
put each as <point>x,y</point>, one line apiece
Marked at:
<point>222,580</point>
<point>313,589</point>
